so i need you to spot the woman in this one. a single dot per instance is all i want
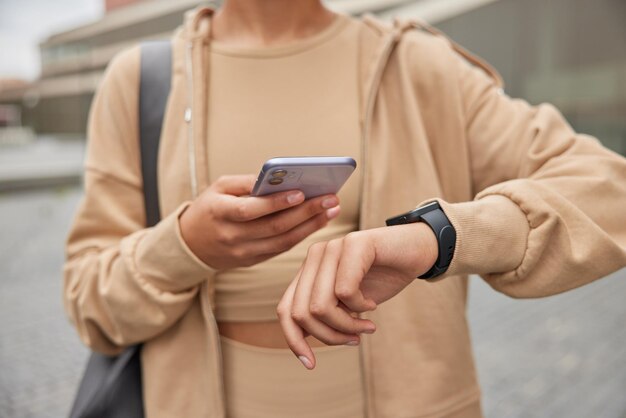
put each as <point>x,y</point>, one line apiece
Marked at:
<point>425,121</point>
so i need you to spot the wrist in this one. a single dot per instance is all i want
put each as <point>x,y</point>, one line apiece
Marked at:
<point>410,247</point>
<point>425,241</point>
<point>184,227</point>
<point>188,234</point>
<point>432,215</point>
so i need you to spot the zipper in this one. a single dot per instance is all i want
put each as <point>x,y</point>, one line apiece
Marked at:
<point>218,349</point>
<point>208,312</point>
<point>191,147</point>
<point>218,346</point>
<point>369,109</point>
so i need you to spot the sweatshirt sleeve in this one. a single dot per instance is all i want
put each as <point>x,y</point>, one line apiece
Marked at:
<point>123,283</point>
<point>549,214</point>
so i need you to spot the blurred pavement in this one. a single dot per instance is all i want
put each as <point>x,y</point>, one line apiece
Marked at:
<point>563,356</point>
<point>44,162</point>
<point>40,355</point>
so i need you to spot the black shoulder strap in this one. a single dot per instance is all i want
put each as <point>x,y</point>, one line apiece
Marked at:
<point>154,89</point>
<point>112,386</point>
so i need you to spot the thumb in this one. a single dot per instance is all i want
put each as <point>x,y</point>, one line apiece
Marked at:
<point>236,185</point>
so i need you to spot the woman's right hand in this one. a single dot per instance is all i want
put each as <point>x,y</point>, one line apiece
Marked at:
<point>226,228</point>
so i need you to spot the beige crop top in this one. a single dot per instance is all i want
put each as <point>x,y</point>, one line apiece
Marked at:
<point>295,100</point>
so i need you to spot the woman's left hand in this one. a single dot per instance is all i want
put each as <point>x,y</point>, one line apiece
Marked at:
<point>349,275</point>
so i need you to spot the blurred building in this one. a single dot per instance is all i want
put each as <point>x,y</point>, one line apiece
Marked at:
<point>569,52</point>
<point>72,62</point>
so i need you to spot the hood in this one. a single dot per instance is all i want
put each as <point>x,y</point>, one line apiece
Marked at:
<point>197,23</point>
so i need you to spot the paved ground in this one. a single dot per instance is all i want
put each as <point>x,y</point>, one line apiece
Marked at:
<point>559,357</point>
<point>40,355</point>
<point>48,160</point>
<point>563,356</point>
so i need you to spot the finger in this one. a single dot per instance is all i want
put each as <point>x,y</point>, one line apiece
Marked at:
<point>301,301</point>
<point>283,221</point>
<point>236,185</point>
<point>357,259</point>
<point>281,243</point>
<point>256,251</point>
<point>244,209</point>
<point>294,334</point>
<point>324,305</point>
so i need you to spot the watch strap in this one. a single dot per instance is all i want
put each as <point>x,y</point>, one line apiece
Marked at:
<point>433,216</point>
<point>446,240</point>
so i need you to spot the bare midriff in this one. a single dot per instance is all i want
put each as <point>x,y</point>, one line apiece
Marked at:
<point>262,334</point>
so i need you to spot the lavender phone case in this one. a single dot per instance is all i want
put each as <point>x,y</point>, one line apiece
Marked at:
<point>315,176</point>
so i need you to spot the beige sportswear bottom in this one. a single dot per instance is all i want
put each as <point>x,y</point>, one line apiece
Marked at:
<point>272,383</point>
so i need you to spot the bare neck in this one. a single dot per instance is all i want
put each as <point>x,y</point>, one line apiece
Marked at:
<point>253,23</point>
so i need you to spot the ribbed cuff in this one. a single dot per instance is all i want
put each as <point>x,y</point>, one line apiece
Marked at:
<point>163,257</point>
<point>492,233</point>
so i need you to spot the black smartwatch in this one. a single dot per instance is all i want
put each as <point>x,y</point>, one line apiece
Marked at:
<point>432,215</point>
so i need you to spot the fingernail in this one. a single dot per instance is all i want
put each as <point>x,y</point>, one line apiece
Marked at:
<point>332,212</point>
<point>306,362</point>
<point>329,202</point>
<point>295,197</point>
<point>353,342</point>
<point>369,330</point>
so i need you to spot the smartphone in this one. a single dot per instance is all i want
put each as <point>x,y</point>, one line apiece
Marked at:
<point>314,176</point>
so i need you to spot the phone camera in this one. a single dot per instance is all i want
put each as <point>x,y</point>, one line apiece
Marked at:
<point>274,181</point>
<point>279,173</point>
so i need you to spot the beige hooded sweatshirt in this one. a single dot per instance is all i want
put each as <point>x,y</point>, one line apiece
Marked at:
<point>538,210</point>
